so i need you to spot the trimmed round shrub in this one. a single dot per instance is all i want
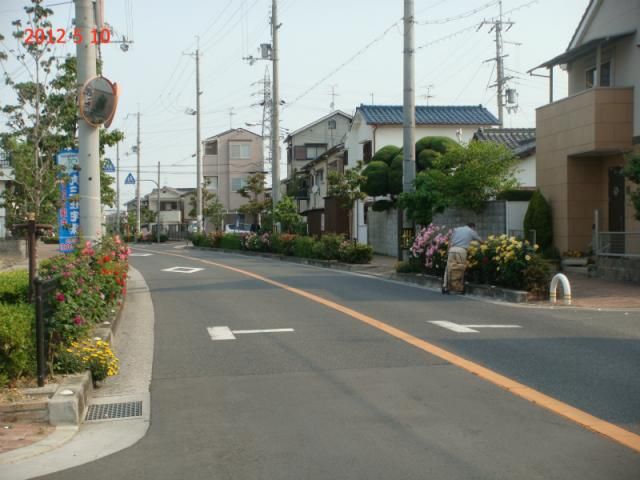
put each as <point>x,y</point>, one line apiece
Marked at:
<point>538,218</point>
<point>377,174</point>
<point>395,175</point>
<point>425,159</point>
<point>439,144</point>
<point>386,154</point>
<point>352,252</point>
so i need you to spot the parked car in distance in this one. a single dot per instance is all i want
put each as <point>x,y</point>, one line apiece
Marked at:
<point>237,228</point>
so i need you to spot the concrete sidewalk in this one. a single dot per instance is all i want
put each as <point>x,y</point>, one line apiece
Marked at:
<point>66,447</point>
<point>587,292</point>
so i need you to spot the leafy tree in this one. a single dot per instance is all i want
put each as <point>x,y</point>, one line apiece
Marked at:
<point>42,121</point>
<point>212,209</point>
<point>254,192</point>
<point>632,172</point>
<point>347,188</point>
<point>286,214</point>
<point>464,176</point>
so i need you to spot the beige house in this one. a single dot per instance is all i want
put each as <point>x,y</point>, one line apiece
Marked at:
<point>324,213</point>
<point>230,158</point>
<point>582,139</point>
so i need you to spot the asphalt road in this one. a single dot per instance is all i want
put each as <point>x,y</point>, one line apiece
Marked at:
<point>337,398</point>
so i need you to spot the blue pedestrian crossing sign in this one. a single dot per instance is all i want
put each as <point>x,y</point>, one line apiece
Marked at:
<point>108,166</point>
<point>129,180</point>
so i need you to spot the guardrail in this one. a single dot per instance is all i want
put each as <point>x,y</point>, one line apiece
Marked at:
<point>617,244</point>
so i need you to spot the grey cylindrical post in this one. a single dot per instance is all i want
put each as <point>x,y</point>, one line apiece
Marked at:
<point>275,114</point>
<point>88,135</point>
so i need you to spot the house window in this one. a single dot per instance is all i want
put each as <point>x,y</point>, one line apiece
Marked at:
<point>168,206</point>
<point>319,176</point>
<point>211,183</point>
<point>346,157</point>
<point>211,148</point>
<point>331,124</point>
<point>605,75</point>
<point>367,151</point>
<point>313,151</point>
<point>240,150</point>
<point>237,184</point>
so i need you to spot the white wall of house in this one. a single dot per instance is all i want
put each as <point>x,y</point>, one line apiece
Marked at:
<point>525,171</point>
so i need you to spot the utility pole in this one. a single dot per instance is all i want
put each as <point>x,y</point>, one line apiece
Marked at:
<point>158,200</point>
<point>118,187</point>
<point>199,181</point>
<point>498,26</point>
<point>138,179</point>
<point>333,95</point>
<point>275,114</point>
<point>409,110</point>
<point>88,136</point>
<point>231,115</point>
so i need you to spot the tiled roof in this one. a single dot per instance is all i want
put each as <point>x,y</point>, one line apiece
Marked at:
<point>429,115</point>
<point>513,138</point>
<point>521,141</point>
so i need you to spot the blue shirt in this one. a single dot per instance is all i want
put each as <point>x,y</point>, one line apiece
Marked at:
<point>462,237</point>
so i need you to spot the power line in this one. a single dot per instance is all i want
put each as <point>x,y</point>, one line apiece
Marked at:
<point>466,14</point>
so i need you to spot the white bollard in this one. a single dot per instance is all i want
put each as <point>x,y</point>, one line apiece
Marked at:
<point>565,287</point>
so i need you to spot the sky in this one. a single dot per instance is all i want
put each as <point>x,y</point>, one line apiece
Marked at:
<point>353,48</point>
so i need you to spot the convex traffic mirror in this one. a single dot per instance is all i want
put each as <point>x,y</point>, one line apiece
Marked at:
<point>98,100</point>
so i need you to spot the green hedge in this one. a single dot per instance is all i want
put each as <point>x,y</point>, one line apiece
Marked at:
<point>17,350</point>
<point>231,241</point>
<point>14,286</point>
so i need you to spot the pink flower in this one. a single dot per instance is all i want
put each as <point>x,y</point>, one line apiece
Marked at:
<point>60,297</point>
<point>78,291</point>
<point>66,274</point>
<point>78,320</point>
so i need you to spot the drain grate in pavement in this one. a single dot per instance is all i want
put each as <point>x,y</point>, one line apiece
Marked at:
<point>108,411</point>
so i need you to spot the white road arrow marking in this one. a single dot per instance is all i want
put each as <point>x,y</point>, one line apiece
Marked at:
<point>225,333</point>
<point>455,327</point>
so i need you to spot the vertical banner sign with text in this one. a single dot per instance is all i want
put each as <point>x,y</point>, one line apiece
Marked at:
<point>69,212</point>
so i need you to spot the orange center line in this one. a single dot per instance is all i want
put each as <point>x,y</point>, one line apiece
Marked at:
<point>582,418</point>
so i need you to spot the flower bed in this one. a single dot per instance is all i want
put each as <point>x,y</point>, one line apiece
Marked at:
<point>91,286</point>
<point>327,247</point>
<point>501,260</point>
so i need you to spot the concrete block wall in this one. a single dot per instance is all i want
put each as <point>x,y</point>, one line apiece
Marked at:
<point>383,231</point>
<point>491,221</point>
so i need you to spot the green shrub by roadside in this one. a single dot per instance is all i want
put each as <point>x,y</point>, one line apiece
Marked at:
<point>352,252</point>
<point>14,286</point>
<point>303,247</point>
<point>328,247</point>
<point>231,241</point>
<point>283,243</point>
<point>17,351</point>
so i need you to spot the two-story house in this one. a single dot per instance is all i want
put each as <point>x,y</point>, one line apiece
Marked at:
<point>324,213</point>
<point>582,139</point>
<point>309,142</point>
<point>230,158</point>
<point>375,126</point>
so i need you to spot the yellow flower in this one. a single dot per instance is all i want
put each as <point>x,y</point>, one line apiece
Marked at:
<point>527,258</point>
